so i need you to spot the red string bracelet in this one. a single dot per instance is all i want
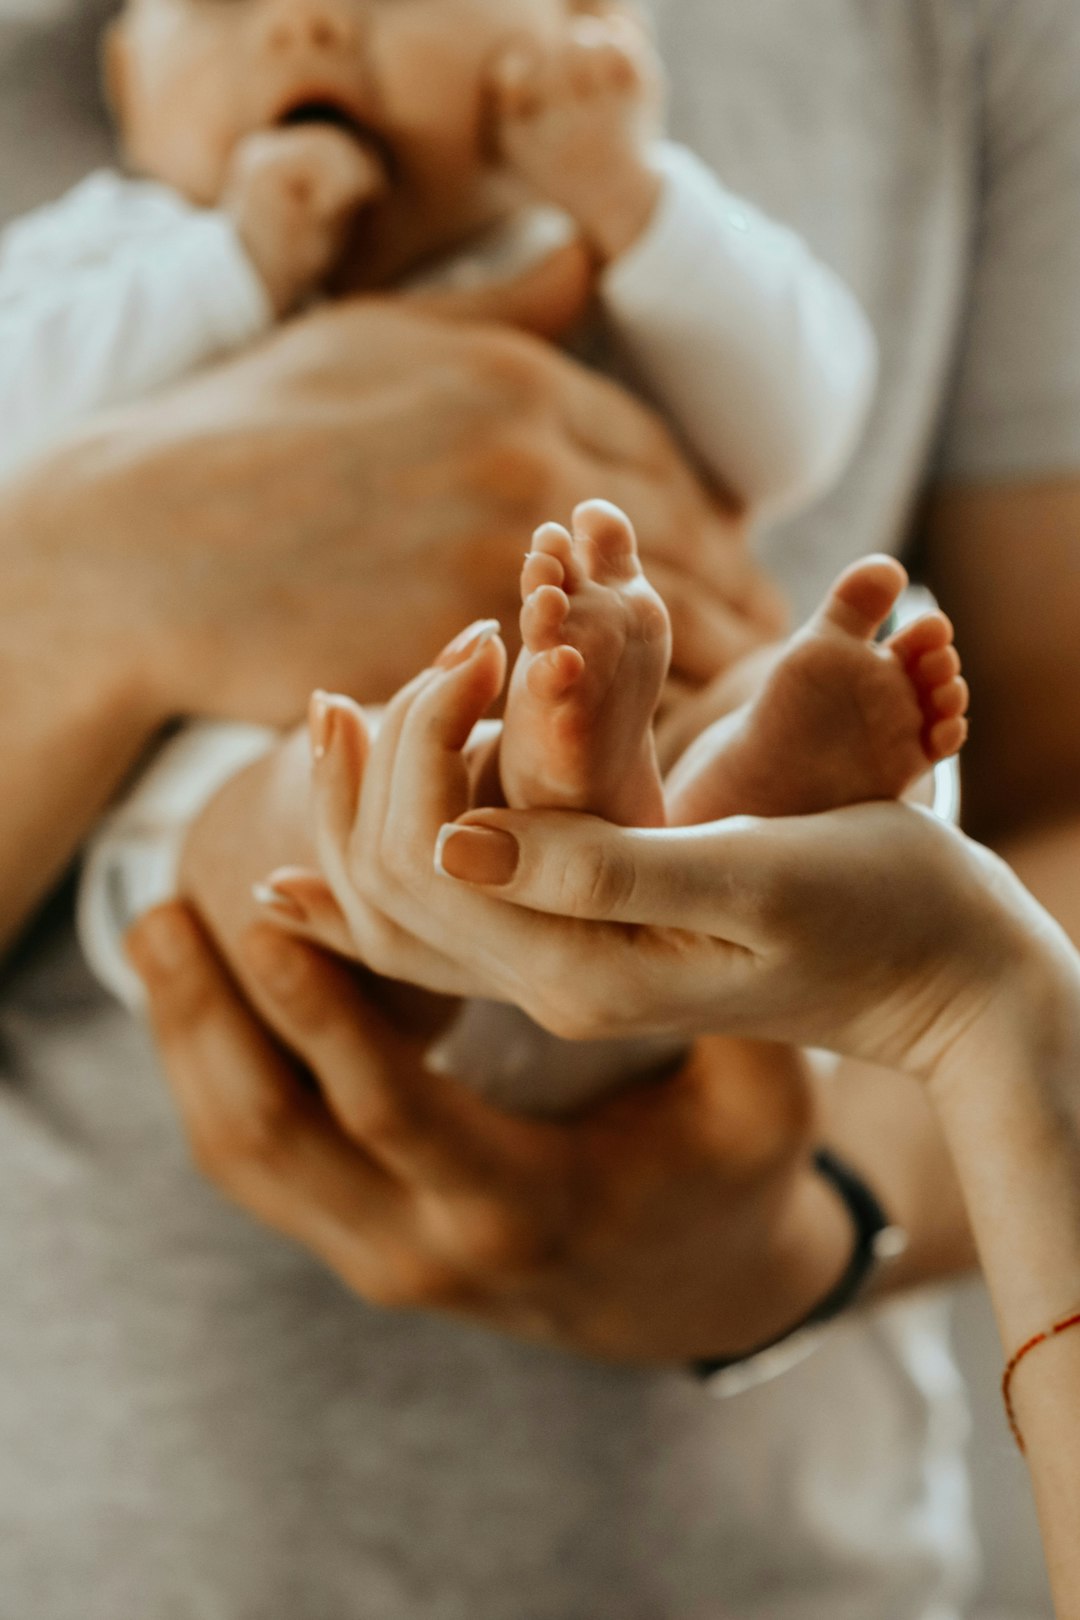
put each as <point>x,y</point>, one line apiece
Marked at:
<point>1063,1326</point>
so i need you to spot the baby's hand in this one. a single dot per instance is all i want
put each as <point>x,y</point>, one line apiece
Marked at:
<point>577,125</point>
<point>292,194</point>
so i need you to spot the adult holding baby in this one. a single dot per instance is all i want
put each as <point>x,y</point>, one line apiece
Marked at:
<point>773,929</point>
<point>280,1348</point>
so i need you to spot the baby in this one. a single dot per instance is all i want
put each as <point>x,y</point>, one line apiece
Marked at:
<point>300,147</point>
<point>306,147</point>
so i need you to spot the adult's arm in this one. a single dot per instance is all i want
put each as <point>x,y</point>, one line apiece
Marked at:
<point>75,714</point>
<point>1007,1099</point>
<point>310,513</point>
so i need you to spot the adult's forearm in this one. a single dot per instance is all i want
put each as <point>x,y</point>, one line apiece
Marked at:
<point>1007,1099</point>
<point>73,721</point>
<point>884,1126</point>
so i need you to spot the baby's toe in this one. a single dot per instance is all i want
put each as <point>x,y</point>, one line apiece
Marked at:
<point>542,618</point>
<point>952,699</point>
<point>864,596</point>
<point>924,635</point>
<point>552,540</point>
<point>608,539</point>
<point>946,737</point>
<point>551,676</point>
<point>937,667</point>
<point>540,568</point>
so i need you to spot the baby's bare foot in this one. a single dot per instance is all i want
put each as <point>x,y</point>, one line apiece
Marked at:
<point>577,124</point>
<point>577,734</point>
<point>839,719</point>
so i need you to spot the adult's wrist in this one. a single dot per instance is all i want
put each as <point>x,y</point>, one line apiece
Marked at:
<point>88,639</point>
<point>1023,1037</point>
<point>875,1239</point>
<point>807,1251</point>
<point>1008,1097</point>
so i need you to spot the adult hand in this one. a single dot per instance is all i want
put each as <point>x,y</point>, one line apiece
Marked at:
<point>675,1222</point>
<point>875,931</point>
<point>316,511</point>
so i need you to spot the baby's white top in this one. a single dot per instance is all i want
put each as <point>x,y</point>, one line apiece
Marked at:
<point>758,353</point>
<point>108,295</point>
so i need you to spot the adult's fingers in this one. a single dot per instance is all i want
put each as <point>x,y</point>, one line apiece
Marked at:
<point>254,1129</point>
<point>430,788</point>
<point>713,880</point>
<point>465,653</point>
<point>431,774</point>
<point>367,933</point>
<point>421,1127</point>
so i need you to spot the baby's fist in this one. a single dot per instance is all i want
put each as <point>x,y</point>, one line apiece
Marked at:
<point>578,121</point>
<point>292,194</point>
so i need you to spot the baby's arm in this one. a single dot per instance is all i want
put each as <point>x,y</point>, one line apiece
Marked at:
<point>759,351</point>
<point>124,287</point>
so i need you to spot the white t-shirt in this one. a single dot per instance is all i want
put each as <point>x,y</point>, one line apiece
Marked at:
<point>194,1419</point>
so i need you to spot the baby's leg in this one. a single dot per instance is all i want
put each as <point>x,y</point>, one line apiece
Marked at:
<point>577,733</point>
<point>839,719</point>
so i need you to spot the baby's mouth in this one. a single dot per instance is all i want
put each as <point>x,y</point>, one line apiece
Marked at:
<point>338,116</point>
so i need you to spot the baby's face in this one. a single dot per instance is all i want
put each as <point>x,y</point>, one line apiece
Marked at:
<point>191,78</point>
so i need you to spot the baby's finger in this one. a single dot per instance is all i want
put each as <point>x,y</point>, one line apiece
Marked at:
<point>347,174</point>
<point>515,81</point>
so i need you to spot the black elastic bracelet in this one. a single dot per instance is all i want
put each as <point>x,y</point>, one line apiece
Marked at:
<point>876,1240</point>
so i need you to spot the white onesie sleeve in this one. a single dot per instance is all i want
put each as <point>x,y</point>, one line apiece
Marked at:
<point>760,353</point>
<point>133,861</point>
<point>116,290</point>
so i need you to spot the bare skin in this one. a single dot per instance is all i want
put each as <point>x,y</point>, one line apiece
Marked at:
<point>540,1251</point>
<point>294,194</point>
<point>577,122</point>
<point>250,478</point>
<point>838,719</point>
<point>353,142</point>
<point>596,648</point>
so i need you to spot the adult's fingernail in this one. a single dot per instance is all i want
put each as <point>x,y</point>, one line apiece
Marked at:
<point>321,715</point>
<point>461,649</point>
<point>271,899</point>
<point>485,855</point>
<point>161,942</point>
